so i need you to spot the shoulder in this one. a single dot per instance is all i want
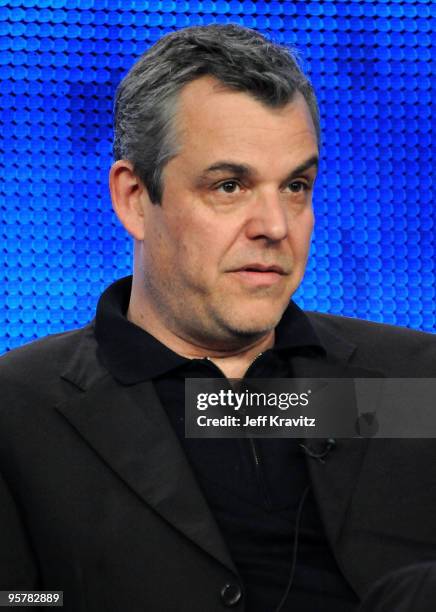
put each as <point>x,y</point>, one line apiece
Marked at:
<point>39,356</point>
<point>394,350</point>
<point>47,366</point>
<point>362,331</point>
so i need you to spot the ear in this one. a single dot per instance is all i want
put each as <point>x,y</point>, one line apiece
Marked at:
<point>129,197</point>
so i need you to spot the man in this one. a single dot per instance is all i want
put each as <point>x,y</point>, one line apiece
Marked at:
<point>216,146</point>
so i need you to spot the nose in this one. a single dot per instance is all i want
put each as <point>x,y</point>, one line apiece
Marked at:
<point>268,218</point>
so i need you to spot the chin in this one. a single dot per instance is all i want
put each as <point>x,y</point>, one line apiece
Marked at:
<point>247,326</point>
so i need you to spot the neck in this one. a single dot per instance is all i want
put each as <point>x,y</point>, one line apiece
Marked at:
<point>234,365</point>
<point>233,361</point>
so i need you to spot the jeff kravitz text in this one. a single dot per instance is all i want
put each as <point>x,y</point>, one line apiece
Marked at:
<point>259,421</point>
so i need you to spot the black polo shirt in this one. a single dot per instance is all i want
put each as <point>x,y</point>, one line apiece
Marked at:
<point>253,486</point>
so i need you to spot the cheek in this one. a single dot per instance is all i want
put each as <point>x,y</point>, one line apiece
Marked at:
<point>161,251</point>
<point>201,242</point>
<point>301,237</point>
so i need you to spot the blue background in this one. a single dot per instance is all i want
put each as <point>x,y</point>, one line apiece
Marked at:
<point>371,64</point>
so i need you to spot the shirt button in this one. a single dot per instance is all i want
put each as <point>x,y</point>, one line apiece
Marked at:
<point>231,594</point>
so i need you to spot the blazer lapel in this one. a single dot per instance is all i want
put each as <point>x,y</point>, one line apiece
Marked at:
<point>335,479</point>
<point>128,428</point>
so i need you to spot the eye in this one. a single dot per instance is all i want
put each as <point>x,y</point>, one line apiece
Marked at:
<point>298,186</point>
<point>228,186</point>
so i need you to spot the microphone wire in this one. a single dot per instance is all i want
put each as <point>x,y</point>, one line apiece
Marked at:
<point>295,550</point>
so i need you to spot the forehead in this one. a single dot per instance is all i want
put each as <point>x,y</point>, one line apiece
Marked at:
<point>213,120</point>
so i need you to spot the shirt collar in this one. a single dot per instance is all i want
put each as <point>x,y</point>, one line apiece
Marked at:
<point>132,355</point>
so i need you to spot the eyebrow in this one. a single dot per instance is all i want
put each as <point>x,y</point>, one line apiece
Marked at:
<point>244,170</point>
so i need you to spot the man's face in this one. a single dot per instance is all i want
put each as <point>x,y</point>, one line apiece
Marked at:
<point>228,246</point>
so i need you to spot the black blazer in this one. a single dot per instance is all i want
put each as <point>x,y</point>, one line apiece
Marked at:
<point>97,498</point>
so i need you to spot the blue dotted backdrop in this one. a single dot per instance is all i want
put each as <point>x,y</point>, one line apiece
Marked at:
<point>372,65</point>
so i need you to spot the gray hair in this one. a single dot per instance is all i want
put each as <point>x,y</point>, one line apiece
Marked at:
<point>146,99</point>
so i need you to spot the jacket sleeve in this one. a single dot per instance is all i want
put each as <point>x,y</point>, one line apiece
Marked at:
<point>18,569</point>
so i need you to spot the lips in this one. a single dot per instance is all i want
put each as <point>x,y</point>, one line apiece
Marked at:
<point>256,275</point>
<point>255,267</point>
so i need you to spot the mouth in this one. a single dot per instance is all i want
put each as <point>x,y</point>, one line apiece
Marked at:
<point>255,267</point>
<point>260,275</point>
